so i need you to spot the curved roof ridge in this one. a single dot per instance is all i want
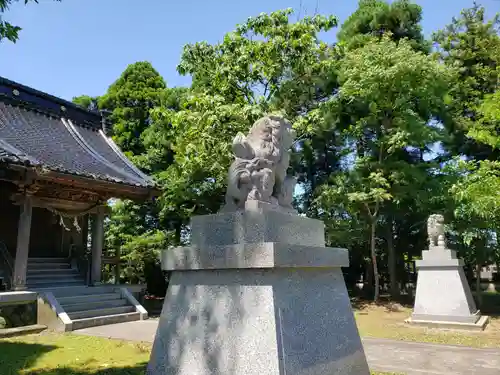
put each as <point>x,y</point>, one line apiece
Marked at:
<point>78,137</point>
<point>120,154</point>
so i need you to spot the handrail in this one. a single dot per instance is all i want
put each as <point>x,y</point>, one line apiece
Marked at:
<point>82,262</point>
<point>8,260</point>
<point>6,256</point>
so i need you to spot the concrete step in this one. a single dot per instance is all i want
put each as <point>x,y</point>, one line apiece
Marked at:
<point>95,305</point>
<point>88,298</point>
<point>50,266</point>
<point>51,271</point>
<point>48,260</point>
<point>61,291</point>
<point>49,285</point>
<point>57,278</point>
<point>100,312</point>
<point>104,320</point>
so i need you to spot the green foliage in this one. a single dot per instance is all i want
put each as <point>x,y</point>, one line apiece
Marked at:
<point>267,64</point>
<point>134,231</point>
<point>7,30</point>
<point>88,102</point>
<point>376,18</point>
<point>471,45</point>
<point>487,129</point>
<point>130,99</point>
<point>391,93</point>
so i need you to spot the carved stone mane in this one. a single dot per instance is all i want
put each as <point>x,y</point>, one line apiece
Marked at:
<point>435,231</point>
<point>261,162</point>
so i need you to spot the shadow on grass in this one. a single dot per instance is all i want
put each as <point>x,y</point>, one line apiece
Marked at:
<point>14,357</point>
<point>134,370</point>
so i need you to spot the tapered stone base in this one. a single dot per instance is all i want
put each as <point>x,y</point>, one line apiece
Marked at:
<point>443,297</point>
<point>258,322</point>
<point>257,308</point>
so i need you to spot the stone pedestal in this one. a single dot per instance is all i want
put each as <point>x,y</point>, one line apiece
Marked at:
<point>257,293</point>
<point>443,297</point>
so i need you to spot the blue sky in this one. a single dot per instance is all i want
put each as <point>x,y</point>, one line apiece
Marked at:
<point>81,46</point>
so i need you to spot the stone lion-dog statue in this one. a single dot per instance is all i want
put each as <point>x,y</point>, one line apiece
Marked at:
<point>259,170</point>
<point>435,231</point>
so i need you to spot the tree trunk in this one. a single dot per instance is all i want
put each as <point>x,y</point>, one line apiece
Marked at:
<point>479,295</point>
<point>373,254</point>
<point>393,277</point>
<point>368,278</point>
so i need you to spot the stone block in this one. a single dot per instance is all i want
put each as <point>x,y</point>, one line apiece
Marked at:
<point>255,227</point>
<point>253,255</point>
<point>257,322</point>
<point>257,293</point>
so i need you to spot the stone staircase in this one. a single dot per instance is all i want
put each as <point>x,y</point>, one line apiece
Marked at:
<point>52,272</point>
<point>77,305</point>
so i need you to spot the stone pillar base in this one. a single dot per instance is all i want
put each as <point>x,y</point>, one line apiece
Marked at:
<point>443,296</point>
<point>257,308</point>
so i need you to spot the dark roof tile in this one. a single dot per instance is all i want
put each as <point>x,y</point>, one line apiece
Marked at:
<point>29,136</point>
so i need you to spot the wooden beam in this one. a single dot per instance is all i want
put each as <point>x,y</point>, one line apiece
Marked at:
<point>109,188</point>
<point>63,205</point>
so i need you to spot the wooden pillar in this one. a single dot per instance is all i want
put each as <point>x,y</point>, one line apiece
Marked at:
<point>117,266</point>
<point>97,246</point>
<point>23,243</point>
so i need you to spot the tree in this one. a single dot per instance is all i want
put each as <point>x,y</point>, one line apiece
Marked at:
<point>267,64</point>
<point>391,93</point>
<point>130,99</point>
<point>376,18</point>
<point>88,102</point>
<point>7,30</point>
<point>470,44</point>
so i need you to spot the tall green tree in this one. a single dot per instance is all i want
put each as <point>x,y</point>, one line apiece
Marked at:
<point>378,18</point>
<point>7,30</point>
<point>390,92</point>
<point>130,99</point>
<point>471,44</point>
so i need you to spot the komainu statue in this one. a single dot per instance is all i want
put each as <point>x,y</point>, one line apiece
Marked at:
<point>261,161</point>
<point>435,231</point>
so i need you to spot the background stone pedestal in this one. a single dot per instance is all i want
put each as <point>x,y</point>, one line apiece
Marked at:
<point>257,293</point>
<point>443,296</point>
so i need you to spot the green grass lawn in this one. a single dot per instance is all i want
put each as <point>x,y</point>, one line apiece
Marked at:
<point>377,321</point>
<point>69,354</point>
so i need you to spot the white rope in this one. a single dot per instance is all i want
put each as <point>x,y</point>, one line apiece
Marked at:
<point>67,214</point>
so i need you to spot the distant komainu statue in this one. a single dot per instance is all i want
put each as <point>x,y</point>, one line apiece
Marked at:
<point>435,231</point>
<point>261,162</point>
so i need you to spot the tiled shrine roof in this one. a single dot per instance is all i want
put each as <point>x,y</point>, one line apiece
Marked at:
<point>40,130</point>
